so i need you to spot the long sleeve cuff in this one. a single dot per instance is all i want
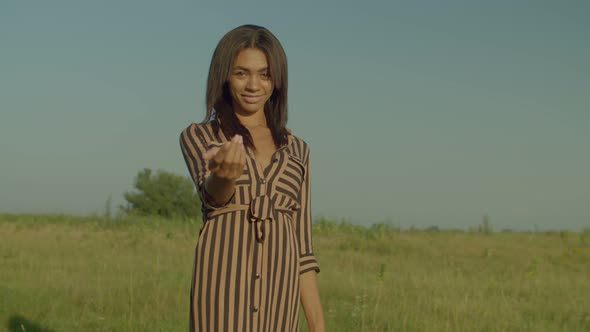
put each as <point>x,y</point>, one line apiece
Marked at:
<point>208,201</point>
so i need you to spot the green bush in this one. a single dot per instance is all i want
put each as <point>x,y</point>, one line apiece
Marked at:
<point>163,194</point>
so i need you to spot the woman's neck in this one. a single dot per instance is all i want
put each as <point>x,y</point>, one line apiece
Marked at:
<point>252,120</point>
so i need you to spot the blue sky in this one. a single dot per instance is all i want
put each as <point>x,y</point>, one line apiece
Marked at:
<point>419,112</point>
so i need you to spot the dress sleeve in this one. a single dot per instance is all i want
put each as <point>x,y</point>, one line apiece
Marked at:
<point>193,147</point>
<point>307,260</point>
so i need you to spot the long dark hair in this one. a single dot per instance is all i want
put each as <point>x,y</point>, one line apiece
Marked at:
<point>218,97</point>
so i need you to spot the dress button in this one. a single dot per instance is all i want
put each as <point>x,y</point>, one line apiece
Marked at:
<point>263,181</point>
<point>257,276</point>
<point>255,309</point>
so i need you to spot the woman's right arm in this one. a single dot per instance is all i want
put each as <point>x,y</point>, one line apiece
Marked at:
<point>226,164</point>
<point>213,171</point>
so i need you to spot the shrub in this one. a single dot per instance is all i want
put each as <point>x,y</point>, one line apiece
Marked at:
<point>162,194</point>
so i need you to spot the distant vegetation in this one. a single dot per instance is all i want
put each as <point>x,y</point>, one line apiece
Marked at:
<point>131,272</point>
<point>161,194</point>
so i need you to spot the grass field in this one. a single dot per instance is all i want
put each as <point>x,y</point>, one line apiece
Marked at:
<point>61,273</point>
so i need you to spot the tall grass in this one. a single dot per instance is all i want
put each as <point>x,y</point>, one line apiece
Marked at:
<point>64,273</point>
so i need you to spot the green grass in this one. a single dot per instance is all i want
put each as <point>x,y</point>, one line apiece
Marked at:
<point>63,273</point>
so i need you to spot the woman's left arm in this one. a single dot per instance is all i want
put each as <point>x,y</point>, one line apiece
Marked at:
<point>310,298</point>
<point>308,265</point>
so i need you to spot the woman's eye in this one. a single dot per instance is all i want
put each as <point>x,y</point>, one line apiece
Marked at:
<point>265,75</point>
<point>240,73</point>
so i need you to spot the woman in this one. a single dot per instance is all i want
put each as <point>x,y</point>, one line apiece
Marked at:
<point>254,261</point>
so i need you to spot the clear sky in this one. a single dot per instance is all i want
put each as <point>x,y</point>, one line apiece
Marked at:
<point>420,112</point>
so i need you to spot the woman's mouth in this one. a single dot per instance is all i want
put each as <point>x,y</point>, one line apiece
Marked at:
<point>251,99</point>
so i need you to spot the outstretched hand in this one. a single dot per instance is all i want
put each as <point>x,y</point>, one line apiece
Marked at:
<point>227,162</point>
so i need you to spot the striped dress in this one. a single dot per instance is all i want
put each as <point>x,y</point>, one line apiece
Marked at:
<point>251,251</point>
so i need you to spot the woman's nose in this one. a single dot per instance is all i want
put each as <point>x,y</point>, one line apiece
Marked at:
<point>253,82</point>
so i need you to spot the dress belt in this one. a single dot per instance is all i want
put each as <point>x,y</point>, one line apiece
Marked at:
<point>261,208</point>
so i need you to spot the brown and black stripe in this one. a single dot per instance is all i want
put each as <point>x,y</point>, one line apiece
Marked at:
<point>251,251</point>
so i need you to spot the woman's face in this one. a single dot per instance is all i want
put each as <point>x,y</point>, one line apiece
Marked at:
<point>250,84</point>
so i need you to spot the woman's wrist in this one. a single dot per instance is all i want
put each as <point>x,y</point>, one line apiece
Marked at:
<point>219,190</point>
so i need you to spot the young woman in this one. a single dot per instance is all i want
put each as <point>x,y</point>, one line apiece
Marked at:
<point>254,259</point>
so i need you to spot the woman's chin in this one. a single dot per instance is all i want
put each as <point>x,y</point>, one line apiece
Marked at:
<point>251,108</point>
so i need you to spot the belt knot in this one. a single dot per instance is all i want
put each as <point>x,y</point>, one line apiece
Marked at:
<point>261,209</point>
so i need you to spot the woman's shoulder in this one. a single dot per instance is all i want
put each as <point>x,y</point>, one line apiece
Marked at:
<point>198,129</point>
<point>297,139</point>
<point>206,125</point>
<point>299,146</point>
<point>197,135</point>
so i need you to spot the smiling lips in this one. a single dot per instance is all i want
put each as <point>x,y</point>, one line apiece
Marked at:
<point>251,99</point>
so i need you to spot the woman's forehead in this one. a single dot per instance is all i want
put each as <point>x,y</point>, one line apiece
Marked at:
<point>251,59</point>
